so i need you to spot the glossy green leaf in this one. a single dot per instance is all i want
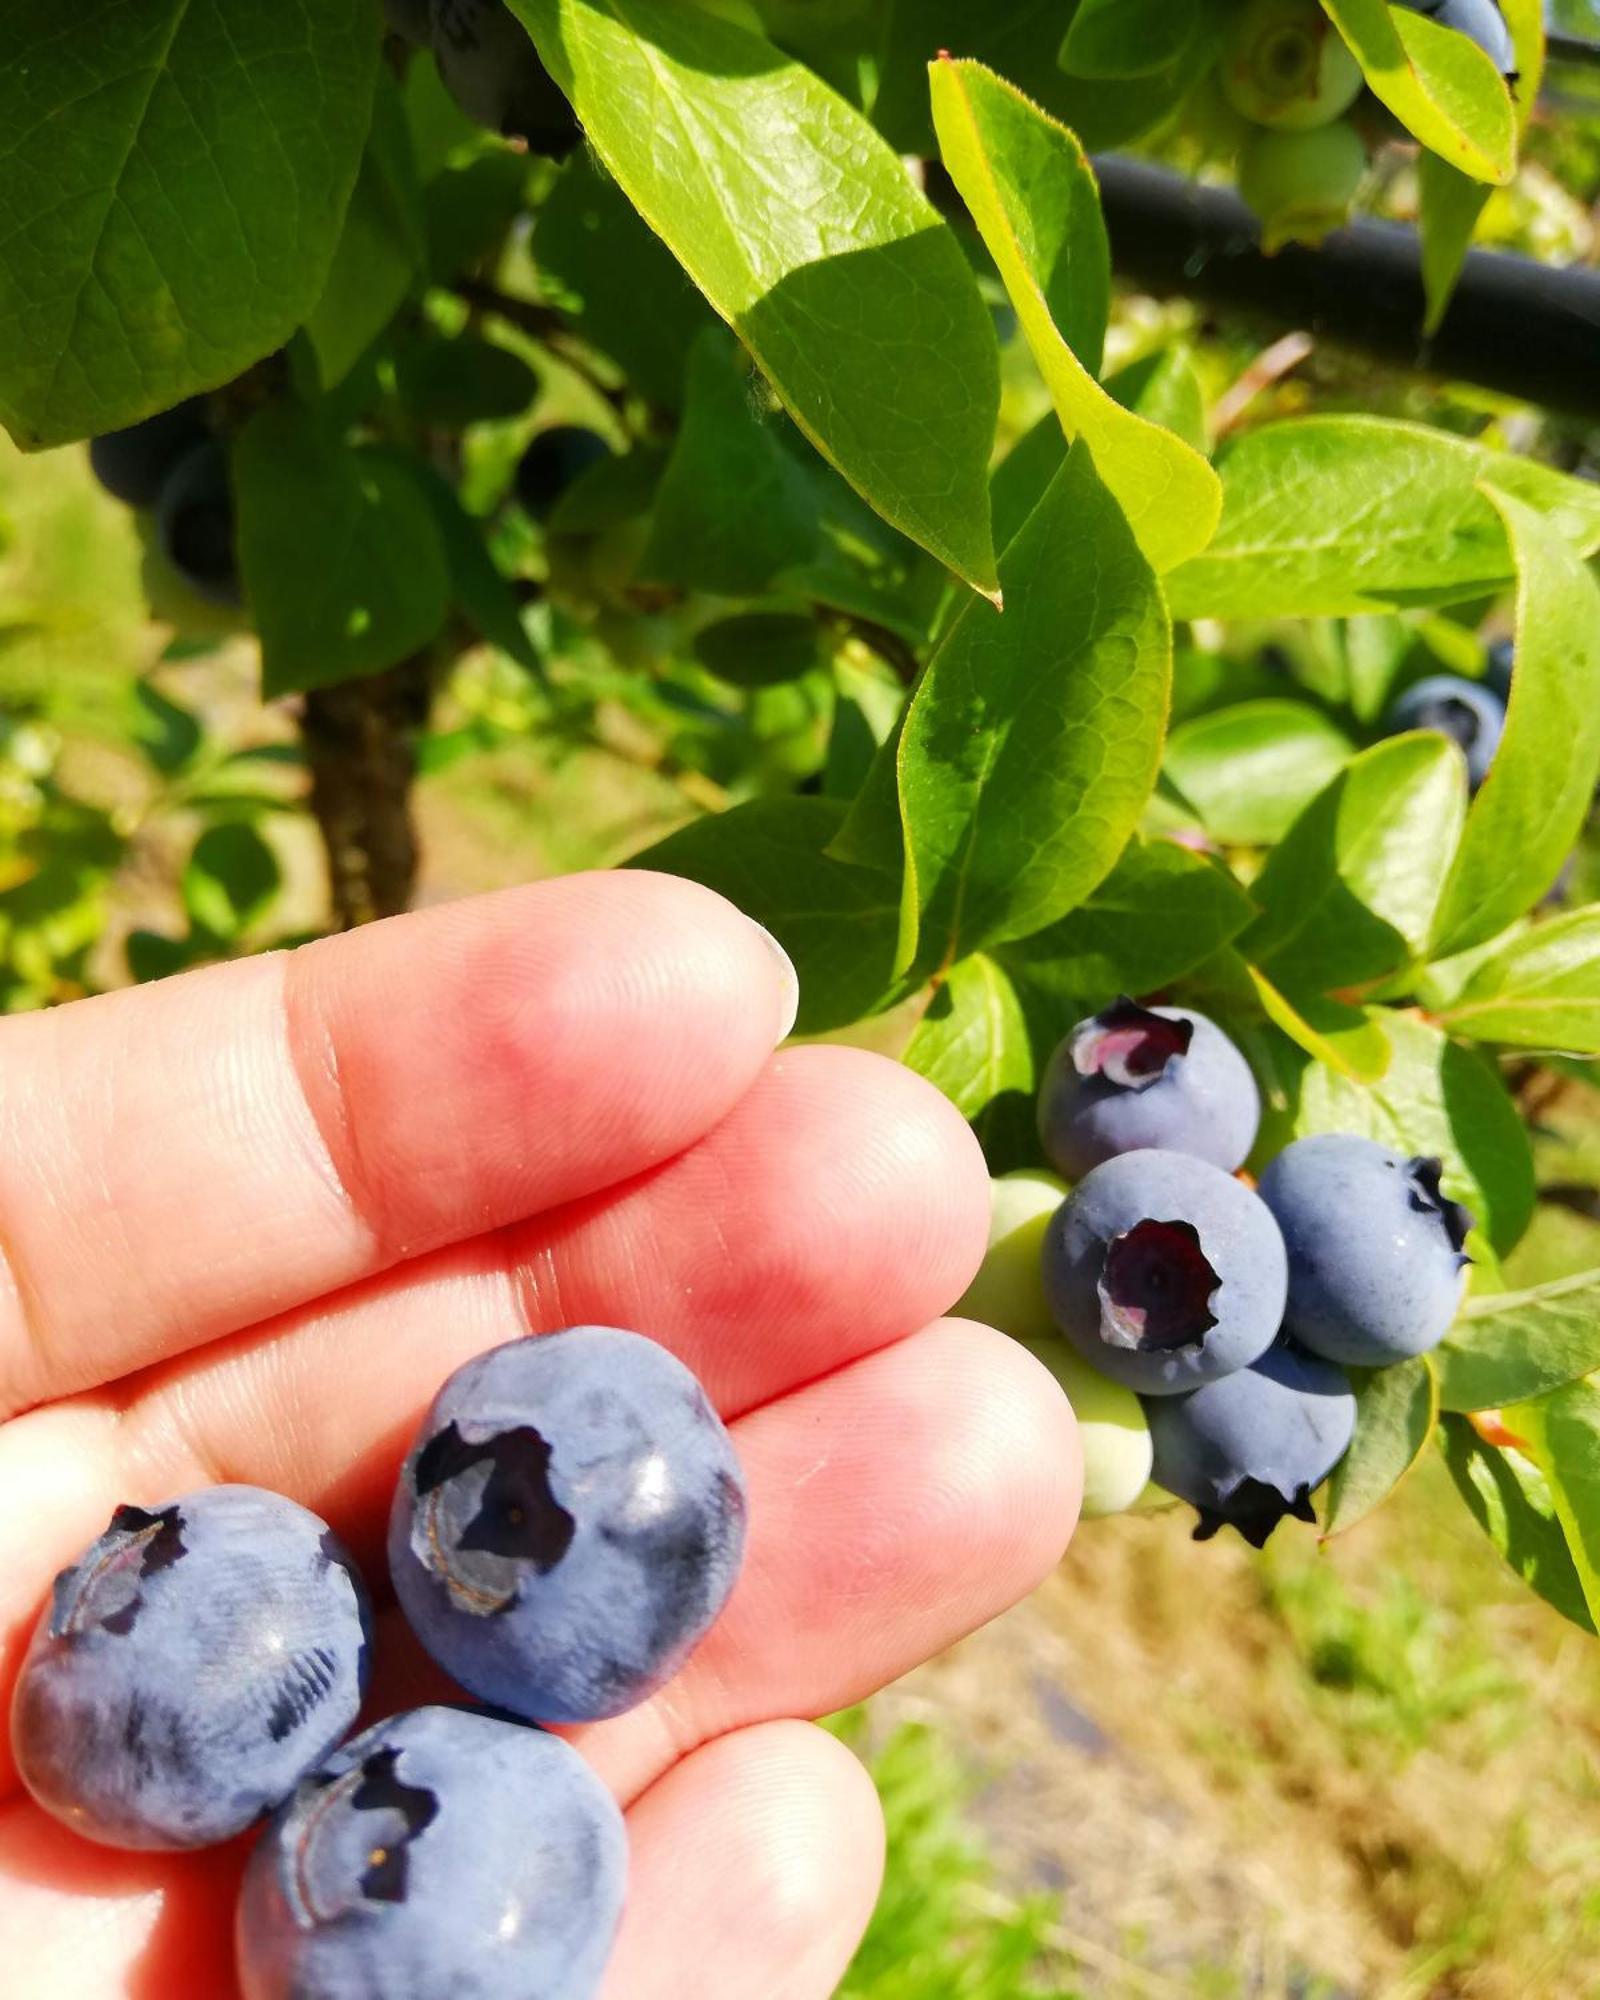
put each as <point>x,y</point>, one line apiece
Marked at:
<point>1531,809</point>
<point>1510,1499</point>
<point>973,1041</point>
<point>1510,1346</point>
<point>1331,516</point>
<point>1349,1040</point>
<point>769,858</point>
<point>1563,1434</point>
<point>1029,187</point>
<point>1396,1410</point>
<point>1031,742</point>
<point>343,564</point>
<point>1164,388</point>
<point>1121,38</point>
<point>173,180</point>
<point>851,293</point>
<point>1251,769</point>
<point>230,880</point>
<point>1539,991</point>
<point>1350,892</point>
<point>1437,82</point>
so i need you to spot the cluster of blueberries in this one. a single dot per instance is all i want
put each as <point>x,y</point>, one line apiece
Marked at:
<point>176,467</point>
<point>1230,1312</point>
<point>567,1526</point>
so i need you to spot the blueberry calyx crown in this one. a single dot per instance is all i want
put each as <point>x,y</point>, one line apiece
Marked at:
<point>1156,1288</point>
<point>1254,1507</point>
<point>1129,1045</point>
<point>320,1886</point>
<point>104,1590</point>
<point>1426,1197</point>
<point>487,1510</point>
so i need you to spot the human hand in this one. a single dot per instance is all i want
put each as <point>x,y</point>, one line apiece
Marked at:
<point>251,1218</point>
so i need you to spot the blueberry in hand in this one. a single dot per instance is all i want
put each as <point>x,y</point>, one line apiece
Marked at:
<point>1376,1263</point>
<point>1479,20</point>
<point>1147,1076</point>
<point>491,68</point>
<point>1253,1446</point>
<point>132,465</point>
<point>189,1668</point>
<point>194,523</point>
<point>569,1523</point>
<point>1164,1272</point>
<point>1468,712</point>
<point>442,1855</point>
<point>552,462</point>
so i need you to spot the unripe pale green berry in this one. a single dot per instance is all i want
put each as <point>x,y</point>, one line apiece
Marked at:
<point>1112,1431</point>
<point>1008,1291</point>
<point>1301,184</point>
<point>1284,65</point>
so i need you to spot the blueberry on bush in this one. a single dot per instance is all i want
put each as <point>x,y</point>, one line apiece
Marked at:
<point>1301,184</point>
<point>1470,713</point>
<point>569,1523</point>
<point>1253,1446</point>
<point>1283,64</point>
<point>189,1668</point>
<point>1479,20</point>
<point>551,463</point>
<point>443,1852</point>
<point>1008,1291</point>
<point>194,523</point>
<point>1376,1263</point>
<point>1502,658</point>
<point>1113,1433</point>
<point>133,465</point>
<point>1136,1076</point>
<point>1164,1272</point>
<point>491,68</point>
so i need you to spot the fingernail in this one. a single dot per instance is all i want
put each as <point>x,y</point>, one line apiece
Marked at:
<point>791,980</point>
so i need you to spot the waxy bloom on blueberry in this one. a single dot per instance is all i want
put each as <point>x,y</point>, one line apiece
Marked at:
<point>193,1663</point>
<point>569,1523</point>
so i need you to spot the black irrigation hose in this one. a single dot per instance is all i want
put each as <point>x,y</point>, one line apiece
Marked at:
<point>1521,328</point>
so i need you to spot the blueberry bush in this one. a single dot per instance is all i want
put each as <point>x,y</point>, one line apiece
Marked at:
<point>1025,657</point>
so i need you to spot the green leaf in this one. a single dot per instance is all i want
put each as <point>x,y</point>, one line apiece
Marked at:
<point>973,1041</point>
<point>1437,82</point>
<point>1563,1434</point>
<point>1396,1410</point>
<point>1029,187</point>
<point>173,178</point>
<point>342,560</point>
<point>467,380</point>
<point>1165,388</point>
<point>1120,38</point>
<point>151,955</point>
<point>1441,1099</point>
<point>1250,770</point>
<point>868,706</point>
<point>759,648</point>
<point>230,880</point>
<point>1509,1497</point>
<point>168,734</point>
<point>1531,808</point>
<point>477,586</point>
<point>1032,739</point>
<point>1510,1346</point>
<point>381,247</point>
<point>1348,1040</point>
<point>1541,990</point>
<point>1350,892</point>
<point>1331,516</point>
<point>768,857</point>
<point>853,296</point>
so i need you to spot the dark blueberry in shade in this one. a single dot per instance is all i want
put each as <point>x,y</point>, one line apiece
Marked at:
<point>1376,1249</point>
<point>570,1521</point>
<point>552,462</point>
<point>194,519</point>
<point>1469,713</point>
<point>492,70</point>
<point>443,1855</point>
<point>189,1668</point>
<point>1164,1272</point>
<point>1497,673</point>
<point>133,464</point>
<point>1132,1077</point>
<point>1253,1446</point>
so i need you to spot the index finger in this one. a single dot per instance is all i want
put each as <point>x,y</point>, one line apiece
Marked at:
<point>184,1159</point>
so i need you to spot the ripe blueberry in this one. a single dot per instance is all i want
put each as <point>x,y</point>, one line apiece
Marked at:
<point>1376,1263</point>
<point>1468,712</point>
<point>132,465</point>
<point>442,1853</point>
<point>552,462</point>
<point>190,1666</point>
<point>569,1523</point>
<point>1164,1272</point>
<point>1283,64</point>
<point>1147,1076</point>
<point>1253,1446</point>
<point>194,522</point>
